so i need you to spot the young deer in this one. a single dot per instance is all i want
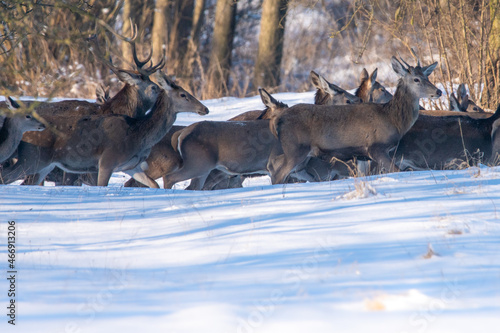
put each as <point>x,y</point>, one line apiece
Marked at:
<point>235,147</point>
<point>361,130</point>
<point>370,90</point>
<point>13,127</point>
<point>462,102</point>
<point>329,94</point>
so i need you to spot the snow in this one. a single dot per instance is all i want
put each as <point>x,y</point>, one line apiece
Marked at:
<point>403,252</point>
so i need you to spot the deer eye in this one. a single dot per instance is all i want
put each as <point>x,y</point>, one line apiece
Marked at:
<point>416,80</point>
<point>28,117</point>
<point>183,95</point>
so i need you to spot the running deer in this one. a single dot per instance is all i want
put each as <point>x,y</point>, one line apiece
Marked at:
<point>164,159</point>
<point>136,97</point>
<point>462,102</point>
<point>235,147</point>
<point>107,144</point>
<point>370,90</point>
<point>13,127</point>
<point>361,130</point>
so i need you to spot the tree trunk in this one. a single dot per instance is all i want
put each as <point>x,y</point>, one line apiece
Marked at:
<point>159,34</point>
<point>182,19</point>
<point>127,15</point>
<point>194,39</point>
<point>493,63</point>
<point>222,45</point>
<point>272,29</point>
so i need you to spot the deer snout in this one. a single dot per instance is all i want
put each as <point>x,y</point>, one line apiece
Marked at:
<point>203,112</point>
<point>437,94</point>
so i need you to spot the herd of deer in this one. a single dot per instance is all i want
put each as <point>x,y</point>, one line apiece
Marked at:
<point>133,132</point>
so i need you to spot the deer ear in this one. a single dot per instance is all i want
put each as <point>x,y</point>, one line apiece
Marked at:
<point>464,103</point>
<point>267,99</point>
<point>164,81</point>
<point>461,91</point>
<point>398,67</point>
<point>129,77</point>
<point>314,79</point>
<point>364,75</point>
<point>429,69</point>
<point>336,90</point>
<point>11,103</point>
<point>454,105</point>
<point>373,77</point>
<point>319,82</point>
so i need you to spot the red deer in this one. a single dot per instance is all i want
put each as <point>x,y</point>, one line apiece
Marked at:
<point>12,128</point>
<point>439,142</point>
<point>134,99</point>
<point>107,144</point>
<point>462,102</point>
<point>361,130</point>
<point>495,138</point>
<point>329,94</point>
<point>236,147</point>
<point>165,159</point>
<point>370,90</point>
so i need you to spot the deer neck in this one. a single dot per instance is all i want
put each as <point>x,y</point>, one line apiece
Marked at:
<point>403,108</point>
<point>152,127</point>
<point>126,102</point>
<point>322,98</point>
<point>10,134</point>
<point>362,92</point>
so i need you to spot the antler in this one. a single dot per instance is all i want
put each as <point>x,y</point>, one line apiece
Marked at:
<point>140,64</point>
<point>96,51</point>
<point>414,54</point>
<point>407,65</point>
<point>132,39</point>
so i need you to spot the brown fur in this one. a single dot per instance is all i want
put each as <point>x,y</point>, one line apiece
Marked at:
<point>370,90</point>
<point>436,141</point>
<point>110,143</point>
<point>361,130</point>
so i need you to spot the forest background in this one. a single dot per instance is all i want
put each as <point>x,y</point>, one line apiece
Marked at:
<point>219,48</point>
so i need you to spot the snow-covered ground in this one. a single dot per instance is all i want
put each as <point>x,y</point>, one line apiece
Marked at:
<point>406,252</point>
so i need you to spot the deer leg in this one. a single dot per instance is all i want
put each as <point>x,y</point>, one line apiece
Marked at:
<point>215,178</point>
<point>39,177</point>
<point>188,171</point>
<point>234,181</point>
<point>196,184</point>
<point>19,171</point>
<point>133,183</point>
<point>381,157</point>
<point>103,176</point>
<point>139,175</point>
<point>292,158</point>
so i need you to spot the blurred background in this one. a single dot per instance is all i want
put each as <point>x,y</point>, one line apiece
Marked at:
<point>221,48</point>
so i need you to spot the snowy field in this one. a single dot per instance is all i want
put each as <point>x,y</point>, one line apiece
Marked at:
<point>405,252</point>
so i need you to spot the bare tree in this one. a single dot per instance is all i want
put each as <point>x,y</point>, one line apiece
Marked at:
<point>492,96</point>
<point>222,45</point>
<point>272,30</point>
<point>180,29</point>
<point>159,34</point>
